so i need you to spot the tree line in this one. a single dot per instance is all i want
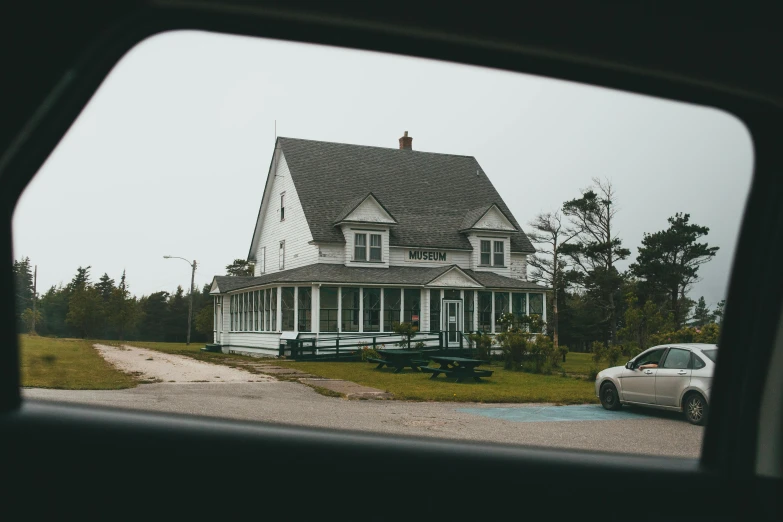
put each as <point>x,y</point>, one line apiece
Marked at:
<point>106,309</point>
<point>594,306</point>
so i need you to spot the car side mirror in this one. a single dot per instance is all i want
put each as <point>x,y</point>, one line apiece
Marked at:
<point>629,365</point>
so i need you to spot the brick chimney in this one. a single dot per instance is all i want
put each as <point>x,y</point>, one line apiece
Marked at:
<point>406,143</point>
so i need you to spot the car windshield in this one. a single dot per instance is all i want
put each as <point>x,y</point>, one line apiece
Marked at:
<point>712,354</point>
<point>288,233</point>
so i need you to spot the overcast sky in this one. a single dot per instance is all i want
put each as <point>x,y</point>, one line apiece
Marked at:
<point>171,154</point>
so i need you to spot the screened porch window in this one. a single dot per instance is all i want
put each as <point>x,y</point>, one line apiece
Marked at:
<point>434,310</point>
<point>304,304</point>
<point>391,308</point>
<point>468,307</point>
<point>371,308</point>
<point>350,307</point>
<point>485,311</point>
<point>412,304</point>
<point>501,307</point>
<point>329,309</point>
<point>287,306</point>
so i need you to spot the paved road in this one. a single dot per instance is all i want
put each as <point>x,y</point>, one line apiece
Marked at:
<point>577,427</point>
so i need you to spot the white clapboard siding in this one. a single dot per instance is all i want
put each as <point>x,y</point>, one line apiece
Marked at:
<point>399,257</point>
<point>519,266</point>
<point>331,253</point>
<point>294,229</point>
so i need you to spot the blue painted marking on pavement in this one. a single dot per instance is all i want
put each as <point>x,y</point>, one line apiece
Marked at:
<point>589,412</point>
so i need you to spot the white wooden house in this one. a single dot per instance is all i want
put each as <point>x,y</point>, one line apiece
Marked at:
<point>351,240</point>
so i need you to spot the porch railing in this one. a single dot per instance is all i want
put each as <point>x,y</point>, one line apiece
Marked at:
<point>348,346</point>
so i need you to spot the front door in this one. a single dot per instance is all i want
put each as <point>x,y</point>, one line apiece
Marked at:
<point>452,321</point>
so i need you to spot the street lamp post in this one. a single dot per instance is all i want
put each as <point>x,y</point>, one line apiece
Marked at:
<point>192,279</point>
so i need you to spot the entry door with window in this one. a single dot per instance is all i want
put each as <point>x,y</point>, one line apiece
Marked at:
<point>452,321</point>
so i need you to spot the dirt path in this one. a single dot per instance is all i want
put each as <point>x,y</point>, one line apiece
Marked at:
<point>150,365</point>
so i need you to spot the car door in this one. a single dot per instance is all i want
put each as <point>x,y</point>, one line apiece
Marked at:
<point>638,385</point>
<point>672,377</point>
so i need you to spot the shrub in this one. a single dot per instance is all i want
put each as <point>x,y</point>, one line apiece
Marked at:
<point>368,353</point>
<point>483,343</point>
<point>610,354</point>
<point>524,350</point>
<point>407,332</point>
<point>593,373</point>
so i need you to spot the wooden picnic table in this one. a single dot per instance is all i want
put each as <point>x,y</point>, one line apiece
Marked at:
<point>458,367</point>
<point>399,359</point>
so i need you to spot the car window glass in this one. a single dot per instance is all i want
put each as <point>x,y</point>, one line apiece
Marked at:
<point>166,286</point>
<point>696,362</point>
<point>652,357</point>
<point>677,359</point>
<point>712,354</point>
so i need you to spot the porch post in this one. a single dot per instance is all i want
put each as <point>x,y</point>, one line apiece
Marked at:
<point>492,320</point>
<point>339,309</point>
<point>296,309</point>
<point>315,309</point>
<point>382,314</point>
<point>279,310</point>
<point>361,310</point>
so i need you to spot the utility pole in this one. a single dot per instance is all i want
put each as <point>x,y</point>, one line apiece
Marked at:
<point>192,279</point>
<point>35,284</point>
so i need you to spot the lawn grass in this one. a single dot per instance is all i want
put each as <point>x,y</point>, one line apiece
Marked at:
<point>503,386</point>
<point>68,364</point>
<point>578,363</point>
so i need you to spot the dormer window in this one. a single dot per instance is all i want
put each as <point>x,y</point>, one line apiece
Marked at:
<point>498,257</point>
<point>492,254</point>
<point>375,247</point>
<point>360,248</point>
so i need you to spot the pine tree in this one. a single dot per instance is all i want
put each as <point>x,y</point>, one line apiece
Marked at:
<point>240,267</point>
<point>123,312</point>
<point>23,282</point>
<point>668,263</point>
<point>595,252</point>
<point>701,314</point>
<point>105,286</point>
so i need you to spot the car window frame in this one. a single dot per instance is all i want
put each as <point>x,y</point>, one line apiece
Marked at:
<point>68,96</point>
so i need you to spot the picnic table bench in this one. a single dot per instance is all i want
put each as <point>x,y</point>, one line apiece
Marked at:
<point>399,359</point>
<point>458,367</point>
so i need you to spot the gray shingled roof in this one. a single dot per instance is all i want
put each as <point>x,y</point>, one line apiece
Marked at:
<point>429,194</point>
<point>394,275</point>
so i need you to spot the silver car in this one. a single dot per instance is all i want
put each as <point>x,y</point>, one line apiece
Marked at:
<point>674,377</point>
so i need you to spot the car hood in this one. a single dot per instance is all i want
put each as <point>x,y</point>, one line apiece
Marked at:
<point>614,371</point>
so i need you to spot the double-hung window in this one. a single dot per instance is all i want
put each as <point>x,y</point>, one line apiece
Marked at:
<point>375,247</point>
<point>492,253</point>
<point>281,255</point>
<point>486,253</point>
<point>282,206</point>
<point>360,247</point>
<point>498,257</point>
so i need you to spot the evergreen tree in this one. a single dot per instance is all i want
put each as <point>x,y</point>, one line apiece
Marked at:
<point>595,252</point>
<point>240,267</point>
<point>54,309</point>
<point>85,311</point>
<point>105,286</point>
<point>718,313</point>
<point>154,316</point>
<point>123,312</point>
<point>702,314</point>
<point>23,287</point>
<point>668,263</point>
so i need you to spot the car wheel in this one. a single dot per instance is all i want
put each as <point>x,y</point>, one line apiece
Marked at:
<point>610,400</point>
<point>695,409</point>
